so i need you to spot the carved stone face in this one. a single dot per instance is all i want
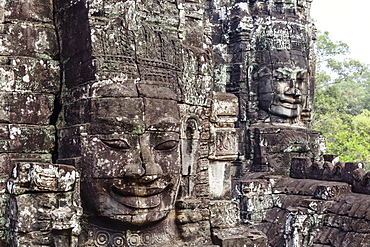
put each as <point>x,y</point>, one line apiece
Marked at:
<point>282,88</point>
<point>132,159</point>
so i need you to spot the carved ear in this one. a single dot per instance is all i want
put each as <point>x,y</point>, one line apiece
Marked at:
<point>189,147</point>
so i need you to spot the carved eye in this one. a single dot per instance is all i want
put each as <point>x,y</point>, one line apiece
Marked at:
<point>117,144</point>
<point>167,145</point>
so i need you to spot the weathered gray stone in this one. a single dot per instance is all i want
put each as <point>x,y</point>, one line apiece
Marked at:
<point>239,237</point>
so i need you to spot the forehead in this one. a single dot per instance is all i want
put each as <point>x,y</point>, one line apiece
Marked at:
<point>133,115</point>
<point>295,58</point>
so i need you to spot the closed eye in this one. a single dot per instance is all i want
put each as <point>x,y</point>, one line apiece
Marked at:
<point>167,145</point>
<point>117,144</point>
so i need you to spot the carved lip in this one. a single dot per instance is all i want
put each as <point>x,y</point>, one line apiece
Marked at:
<point>137,190</point>
<point>290,105</point>
<point>139,196</point>
<point>139,202</point>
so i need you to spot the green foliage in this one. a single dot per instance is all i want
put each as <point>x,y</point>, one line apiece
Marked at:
<point>325,47</point>
<point>342,101</point>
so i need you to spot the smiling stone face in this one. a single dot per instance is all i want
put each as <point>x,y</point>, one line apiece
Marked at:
<point>283,91</point>
<point>283,88</point>
<point>132,167</point>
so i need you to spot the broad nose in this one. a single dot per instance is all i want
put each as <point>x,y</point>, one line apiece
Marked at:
<point>148,160</point>
<point>293,88</point>
<point>143,166</point>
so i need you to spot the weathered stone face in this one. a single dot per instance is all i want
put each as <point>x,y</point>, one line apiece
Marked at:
<point>281,76</point>
<point>282,88</point>
<point>132,175</point>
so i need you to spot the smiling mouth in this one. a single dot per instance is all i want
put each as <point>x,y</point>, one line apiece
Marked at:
<point>289,105</point>
<point>139,196</point>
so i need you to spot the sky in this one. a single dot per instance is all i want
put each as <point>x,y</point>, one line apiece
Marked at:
<point>347,21</point>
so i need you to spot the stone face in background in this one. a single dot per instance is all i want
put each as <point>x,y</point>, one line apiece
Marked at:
<point>266,46</point>
<point>264,55</point>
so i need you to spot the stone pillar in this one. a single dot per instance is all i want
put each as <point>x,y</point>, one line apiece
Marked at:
<point>29,83</point>
<point>223,148</point>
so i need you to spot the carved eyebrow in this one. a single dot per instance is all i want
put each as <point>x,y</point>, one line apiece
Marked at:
<point>289,71</point>
<point>169,123</point>
<point>169,120</point>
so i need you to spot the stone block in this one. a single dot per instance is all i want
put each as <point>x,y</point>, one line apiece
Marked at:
<point>304,187</point>
<point>298,222</point>
<point>70,141</point>
<point>224,214</point>
<point>165,109</point>
<point>30,74</point>
<point>349,168</point>
<point>27,157</point>
<point>220,180</point>
<point>257,203</point>
<point>36,177</point>
<point>224,144</point>
<point>201,190</point>
<point>4,211</point>
<point>190,204</point>
<point>327,172</point>
<point>43,212</point>
<point>30,10</point>
<point>344,223</point>
<point>156,91</point>
<point>34,238</point>
<point>359,208</point>
<point>361,211</point>
<point>224,108</point>
<point>332,191</point>
<point>256,187</point>
<point>76,112</point>
<point>274,147</point>
<point>316,171</point>
<point>339,171</point>
<point>325,235</point>
<point>118,86</point>
<point>239,237</point>
<point>316,205</point>
<point>107,115</point>
<point>26,138</point>
<point>30,40</point>
<point>355,239</point>
<point>191,232</point>
<point>359,183</point>
<point>26,108</point>
<point>300,167</point>
<point>184,216</point>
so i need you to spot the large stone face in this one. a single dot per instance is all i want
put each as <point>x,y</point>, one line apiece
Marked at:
<point>132,175</point>
<point>136,120</point>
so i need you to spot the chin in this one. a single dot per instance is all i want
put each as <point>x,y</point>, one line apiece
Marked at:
<point>291,111</point>
<point>141,219</point>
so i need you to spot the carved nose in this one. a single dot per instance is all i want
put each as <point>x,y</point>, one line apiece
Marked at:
<point>134,170</point>
<point>152,169</point>
<point>143,166</point>
<point>292,89</point>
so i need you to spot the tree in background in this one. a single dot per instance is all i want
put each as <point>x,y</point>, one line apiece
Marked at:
<point>342,101</point>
